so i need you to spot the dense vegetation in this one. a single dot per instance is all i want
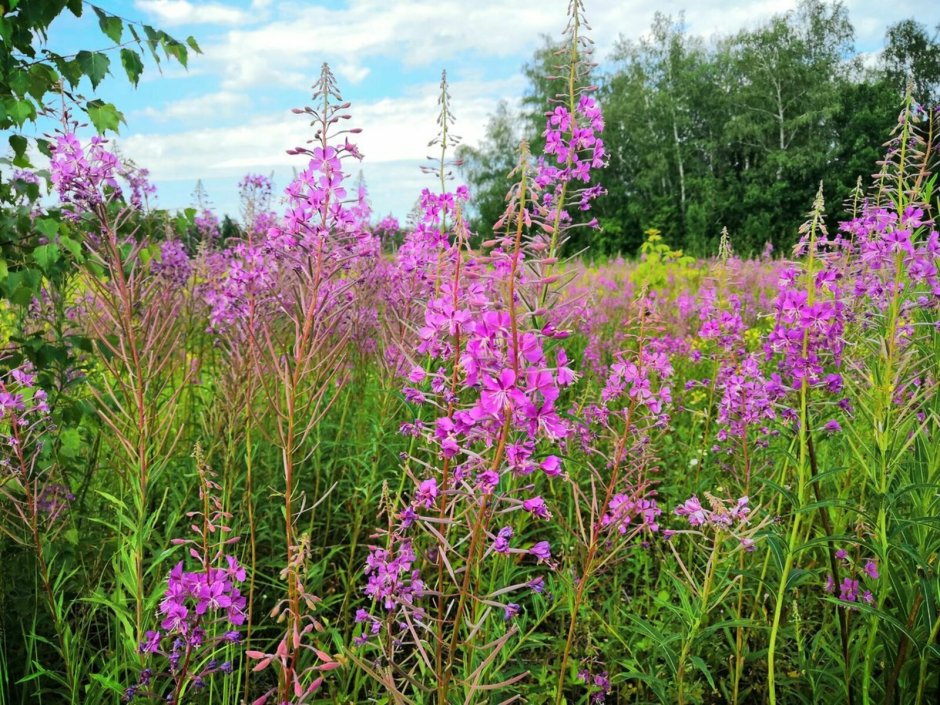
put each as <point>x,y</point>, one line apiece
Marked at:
<point>320,458</point>
<point>724,132</point>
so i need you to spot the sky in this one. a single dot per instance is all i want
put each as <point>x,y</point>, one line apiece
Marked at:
<point>230,113</point>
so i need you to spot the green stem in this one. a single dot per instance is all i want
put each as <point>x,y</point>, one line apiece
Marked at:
<point>699,617</point>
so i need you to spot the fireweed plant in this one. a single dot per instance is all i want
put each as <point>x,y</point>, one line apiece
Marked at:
<point>201,610</point>
<point>451,466</point>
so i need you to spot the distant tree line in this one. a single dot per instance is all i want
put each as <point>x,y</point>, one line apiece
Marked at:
<point>732,131</point>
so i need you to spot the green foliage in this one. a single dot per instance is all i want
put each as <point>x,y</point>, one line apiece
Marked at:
<point>487,167</point>
<point>31,71</point>
<point>912,55</point>
<point>659,262</point>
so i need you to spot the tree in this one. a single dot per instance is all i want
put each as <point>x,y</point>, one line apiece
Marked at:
<point>911,53</point>
<point>486,167</point>
<point>657,104</point>
<point>31,72</point>
<point>782,132</point>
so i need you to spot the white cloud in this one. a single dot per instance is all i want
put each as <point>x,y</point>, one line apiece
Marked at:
<point>210,105</point>
<point>416,33</point>
<point>393,129</point>
<point>352,72</point>
<point>180,12</point>
<point>427,32</point>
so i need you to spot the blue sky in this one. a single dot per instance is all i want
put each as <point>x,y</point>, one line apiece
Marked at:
<point>229,114</point>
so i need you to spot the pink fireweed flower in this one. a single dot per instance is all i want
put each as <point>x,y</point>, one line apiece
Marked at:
<point>536,507</point>
<point>542,551</point>
<point>848,590</point>
<point>692,510</point>
<point>625,512</point>
<point>427,493</point>
<point>551,466</point>
<point>501,543</point>
<point>719,515</point>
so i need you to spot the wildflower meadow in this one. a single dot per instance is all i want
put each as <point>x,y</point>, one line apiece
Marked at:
<point>326,456</point>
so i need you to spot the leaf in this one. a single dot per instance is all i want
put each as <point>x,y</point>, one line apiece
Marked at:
<point>42,77</point>
<point>110,25</point>
<point>70,70</point>
<point>23,285</point>
<point>18,144</point>
<point>44,147</point>
<point>71,440</point>
<point>73,246</point>
<point>108,683</point>
<point>19,83</point>
<point>153,40</point>
<point>19,111</point>
<point>176,50</point>
<point>191,41</point>
<point>47,226</point>
<point>46,256</point>
<point>132,64</point>
<point>104,116</point>
<point>700,664</point>
<point>94,64</point>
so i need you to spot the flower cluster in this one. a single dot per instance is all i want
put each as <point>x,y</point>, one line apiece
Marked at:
<point>391,578</point>
<point>190,596</point>
<point>718,514</point>
<point>201,609</point>
<point>572,149</point>
<point>856,585</point>
<point>599,684</point>
<point>628,513</point>
<point>85,177</point>
<point>173,265</point>
<point>721,516</point>
<point>747,400</point>
<point>807,335</point>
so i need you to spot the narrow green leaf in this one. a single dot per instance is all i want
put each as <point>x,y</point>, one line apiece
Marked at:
<point>109,683</point>
<point>700,664</point>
